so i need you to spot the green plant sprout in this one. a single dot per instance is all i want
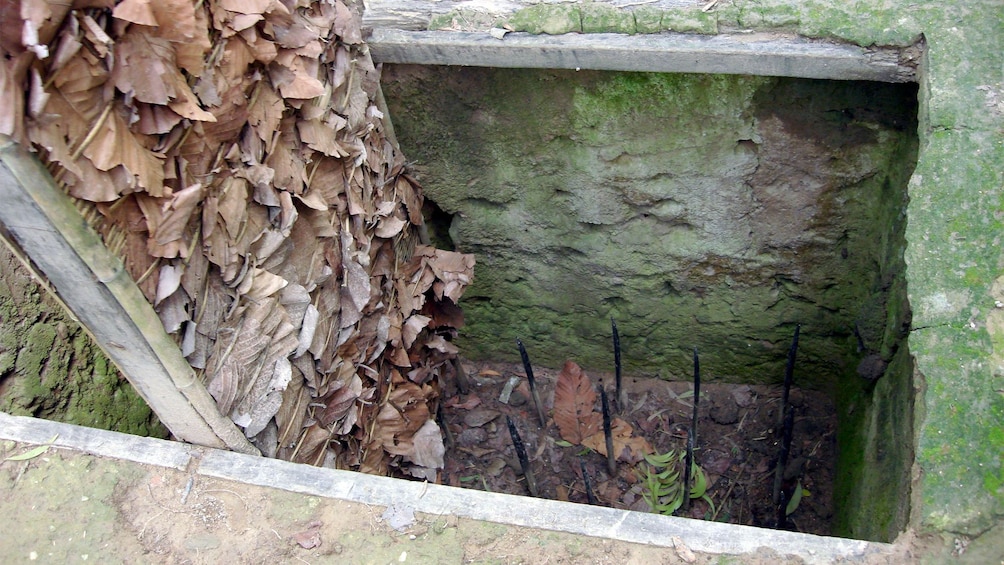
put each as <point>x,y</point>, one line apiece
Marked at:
<point>796,498</point>
<point>663,483</point>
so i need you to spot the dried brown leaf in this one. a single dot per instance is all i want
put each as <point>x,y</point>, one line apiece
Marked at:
<point>574,399</point>
<point>115,145</point>
<point>12,76</point>
<point>428,446</point>
<point>135,11</point>
<point>175,214</point>
<point>627,447</point>
<point>252,6</point>
<point>145,68</point>
<point>295,76</point>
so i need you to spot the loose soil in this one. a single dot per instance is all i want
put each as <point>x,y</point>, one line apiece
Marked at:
<point>738,445</point>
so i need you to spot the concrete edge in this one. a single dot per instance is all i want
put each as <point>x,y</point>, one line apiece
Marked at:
<point>594,521</point>
<point>744,54</point>
<point>145,450</point>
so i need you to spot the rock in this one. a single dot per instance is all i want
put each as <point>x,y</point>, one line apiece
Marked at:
<point>682,551</point>
<point>872,367</point>
<point>472,437</point>
<point>518,398</point>
<point>494,468</point>
<point>480,416</point>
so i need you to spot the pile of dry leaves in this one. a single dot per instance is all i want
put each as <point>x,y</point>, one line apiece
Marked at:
<point>241,166</point>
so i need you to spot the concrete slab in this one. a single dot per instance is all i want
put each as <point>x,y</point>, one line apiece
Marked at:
<point>409,497</point>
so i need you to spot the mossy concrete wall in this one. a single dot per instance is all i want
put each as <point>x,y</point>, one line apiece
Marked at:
<point>953,253</point>
<point>697,210</point>
<point>50,368</point>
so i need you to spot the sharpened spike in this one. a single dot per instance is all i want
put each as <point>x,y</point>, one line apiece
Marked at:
<point>524,461</point>
<point>608,434</point>
<point>533,383</point>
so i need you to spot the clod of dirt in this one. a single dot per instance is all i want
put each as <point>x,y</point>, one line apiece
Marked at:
<point>724,411</point>
<point>472,437</point>
<point>309,538</point>
<point>743,395</point>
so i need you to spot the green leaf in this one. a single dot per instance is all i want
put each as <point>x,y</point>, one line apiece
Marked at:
<point>563,443</point>
<point>796,498</point>
<point>669,475</point>
<point>707,499</point>
<point>34,452</point>
<point>673,504</point>
<point>663,460</point>
<point>700,482</point>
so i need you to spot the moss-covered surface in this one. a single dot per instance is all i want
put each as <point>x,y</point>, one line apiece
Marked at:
<point>50,368</point>
<point>693,209</point>
<point>953,235</point>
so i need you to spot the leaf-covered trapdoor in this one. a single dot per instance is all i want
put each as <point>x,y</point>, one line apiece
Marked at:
<point>235,155</point>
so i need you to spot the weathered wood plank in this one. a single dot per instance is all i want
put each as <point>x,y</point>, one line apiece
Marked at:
<point>747,54</point>
<point>416,14</point>
<point>93,283</point>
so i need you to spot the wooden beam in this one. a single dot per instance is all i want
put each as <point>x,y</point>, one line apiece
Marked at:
<point>746,54</point>
<point>416,14</point>
<point>44,225</point>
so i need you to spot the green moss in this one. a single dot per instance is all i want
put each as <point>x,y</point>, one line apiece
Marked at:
<point>550,19</point>
<point>874,436</point>
<point>464,19</point>
<point>759,14</point>
<point>603,18</point>
<point>647,19</point>
<point>49,368</point>
<point>36,349</point>
<point>860,21</point>
<point>689,21</point>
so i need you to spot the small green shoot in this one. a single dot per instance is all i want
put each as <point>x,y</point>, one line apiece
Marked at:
<point>34,452</point>
<point>663,482</point>
<point>796,498</point>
